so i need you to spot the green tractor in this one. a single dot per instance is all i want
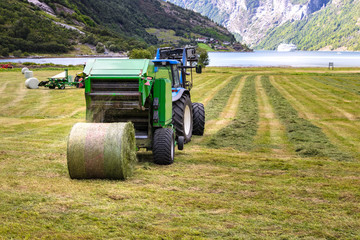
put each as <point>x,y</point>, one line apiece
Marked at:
<point>153,95</point>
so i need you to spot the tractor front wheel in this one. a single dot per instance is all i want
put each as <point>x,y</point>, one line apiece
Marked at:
<point>183,117</point>
<point>163,146</point>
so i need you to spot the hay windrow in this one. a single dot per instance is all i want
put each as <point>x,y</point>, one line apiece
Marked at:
<point>216,105</point>
<point>241,132</point>
<point>101,150</point>
<point>339,83</point>
<point>308,139</point>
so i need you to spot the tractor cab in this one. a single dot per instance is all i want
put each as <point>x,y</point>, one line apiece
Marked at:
<point>186,59</point>
<point>168,69</point>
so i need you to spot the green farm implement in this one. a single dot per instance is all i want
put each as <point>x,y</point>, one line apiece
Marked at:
<point>130,105</point>
<point>63,79</point>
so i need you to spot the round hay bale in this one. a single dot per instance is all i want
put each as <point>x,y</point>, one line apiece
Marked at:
<point>101,151</point>
<point>32,83</point>
<point>28,74</point>
<point>24,70</point>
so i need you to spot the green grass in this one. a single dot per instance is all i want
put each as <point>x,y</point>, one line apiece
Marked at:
<point>241,132</point>
<point>166,35</point>
<point>216,105</point>
<point>345,84</point>
<point>308,139</point>
<point>206,47</point>
<point>206,194</point>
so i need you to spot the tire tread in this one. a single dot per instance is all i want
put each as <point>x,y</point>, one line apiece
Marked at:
<point>163,138</point>
<point>178,116</point>
<point>198,119</point>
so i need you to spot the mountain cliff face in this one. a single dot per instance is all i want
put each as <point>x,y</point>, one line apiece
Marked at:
<point>254,20</point>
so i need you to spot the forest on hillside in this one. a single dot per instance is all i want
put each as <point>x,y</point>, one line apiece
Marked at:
<point>118,25</point>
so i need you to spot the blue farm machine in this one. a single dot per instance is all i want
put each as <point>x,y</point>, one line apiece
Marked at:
<point>134,104</point>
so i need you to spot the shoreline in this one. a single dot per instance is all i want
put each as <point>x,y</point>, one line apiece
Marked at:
<point>77,56</point>
<point>125,56</point>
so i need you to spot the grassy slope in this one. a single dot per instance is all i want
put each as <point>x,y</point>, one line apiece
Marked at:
<point>120,25</point>
<point>266,192</point>
<point>206,47</point>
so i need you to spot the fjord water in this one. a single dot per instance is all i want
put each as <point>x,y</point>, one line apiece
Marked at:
<point>249,59</point>
<point>288,59</point>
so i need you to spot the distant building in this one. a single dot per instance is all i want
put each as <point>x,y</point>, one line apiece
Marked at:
<point>218,47</point>
<point>226,43</point>
<point>213,41</point>
<point>202,40</point>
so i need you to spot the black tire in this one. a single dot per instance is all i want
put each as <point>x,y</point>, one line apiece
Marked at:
<point>52,87</point>
<point>62,87</point>
<point>76,80</point>
<point>181,142</point>
<point>198,119</point>
<point>183,117</point>
<point>164,146</point>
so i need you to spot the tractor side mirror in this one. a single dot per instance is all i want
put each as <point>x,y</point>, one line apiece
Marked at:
<point>198,69</point>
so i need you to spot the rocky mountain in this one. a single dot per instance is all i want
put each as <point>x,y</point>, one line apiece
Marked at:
<point>267,23</point>
<point>63,26</point>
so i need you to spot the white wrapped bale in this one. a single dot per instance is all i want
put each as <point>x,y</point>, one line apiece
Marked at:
<point>32,83</point>
<point>24,70</point>
<point>29,74</point>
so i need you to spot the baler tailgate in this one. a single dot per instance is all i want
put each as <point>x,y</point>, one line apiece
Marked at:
<point>119,100</point>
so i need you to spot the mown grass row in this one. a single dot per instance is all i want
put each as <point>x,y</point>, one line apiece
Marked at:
<point>241,132</point>
<point>344,84</point>
<point>216,105</point>
<point>308,139</point>
<point>15,99</point>
<point>205,194</point>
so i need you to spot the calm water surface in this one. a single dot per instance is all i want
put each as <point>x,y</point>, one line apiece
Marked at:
<point>278,59</point>
<point>253,59</point>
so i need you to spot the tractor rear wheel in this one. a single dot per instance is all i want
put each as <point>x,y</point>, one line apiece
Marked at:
<point>183,117</point>
<point>198,119</point>
<point>163,146</point>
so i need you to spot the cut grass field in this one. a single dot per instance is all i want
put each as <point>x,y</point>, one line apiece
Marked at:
<point>280,159</point>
